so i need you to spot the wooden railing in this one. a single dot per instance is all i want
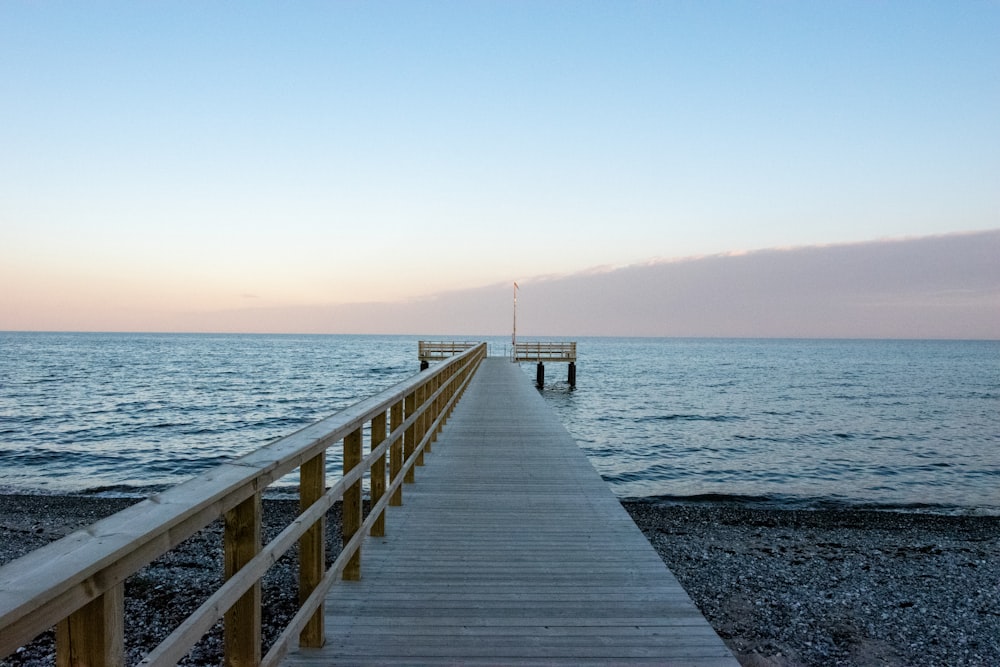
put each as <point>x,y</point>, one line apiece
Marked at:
<point>428,350</point>
<point>545,352</point>
<point>77,583</point>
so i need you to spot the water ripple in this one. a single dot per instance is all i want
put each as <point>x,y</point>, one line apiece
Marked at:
<point>875,423</point>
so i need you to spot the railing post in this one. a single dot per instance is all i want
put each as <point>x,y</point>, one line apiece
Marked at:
<point>242,621</point>
<point>432,408</point>
<point>94,634</point>
<point>435,409</point>
<point>408,436</point>
<point>378,473</point>
<point>396,452</point>
<point>351,510</point>
<point>443,399</point>
<point>312,547</point>
<point>449,383</point>
<point>422,421</point>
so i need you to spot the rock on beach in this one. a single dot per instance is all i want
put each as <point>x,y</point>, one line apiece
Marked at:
<point>781,587</point>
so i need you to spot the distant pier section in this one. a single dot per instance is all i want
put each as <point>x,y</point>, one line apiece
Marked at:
<point>532,351</point>
<point>540,352</point>
<point>435,350</point>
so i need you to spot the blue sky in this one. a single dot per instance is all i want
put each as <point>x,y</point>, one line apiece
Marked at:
<point>194,157</point>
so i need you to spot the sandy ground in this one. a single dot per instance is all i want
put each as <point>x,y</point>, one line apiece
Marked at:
<point>781,587</point>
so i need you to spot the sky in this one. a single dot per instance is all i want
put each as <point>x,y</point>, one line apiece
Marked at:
<point>932,287</point>
<point>175,166</point>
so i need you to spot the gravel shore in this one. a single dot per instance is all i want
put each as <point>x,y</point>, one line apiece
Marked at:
<point>786,587</point>
<point>782,587</point>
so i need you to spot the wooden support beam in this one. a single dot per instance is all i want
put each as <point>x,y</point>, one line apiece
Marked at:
<point>312,547</point>
<point>438,404</point>
<point>352,511</point>
<point>409,437</point>
<point>378,474</point>
<point>242,621</point>
<point>422,422</point>
<point>94,634</point>
<point>396,452</point>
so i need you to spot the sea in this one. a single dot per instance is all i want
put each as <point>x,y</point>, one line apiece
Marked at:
<point>907,425</point>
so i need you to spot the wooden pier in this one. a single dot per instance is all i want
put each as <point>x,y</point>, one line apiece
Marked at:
<point>507,548</point>
<point>511,550</point>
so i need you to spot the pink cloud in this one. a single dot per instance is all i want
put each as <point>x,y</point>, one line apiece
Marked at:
<point>930,287</point>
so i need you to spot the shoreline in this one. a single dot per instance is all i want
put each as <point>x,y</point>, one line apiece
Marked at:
<point>782,587</point>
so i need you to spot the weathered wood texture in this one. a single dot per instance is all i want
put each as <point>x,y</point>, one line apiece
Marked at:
<point>510,549</point>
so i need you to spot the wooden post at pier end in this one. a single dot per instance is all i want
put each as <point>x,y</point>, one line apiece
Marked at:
<point>540,375</point>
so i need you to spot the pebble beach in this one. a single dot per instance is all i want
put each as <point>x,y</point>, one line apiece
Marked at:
<point>781,587</point>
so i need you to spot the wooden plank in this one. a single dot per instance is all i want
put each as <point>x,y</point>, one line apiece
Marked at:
<point>512,550</point>
<point>474,661</point>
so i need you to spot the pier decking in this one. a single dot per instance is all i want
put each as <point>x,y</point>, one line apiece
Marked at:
<point>510,549</point>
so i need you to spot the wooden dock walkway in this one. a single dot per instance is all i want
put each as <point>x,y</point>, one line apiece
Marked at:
<point>511,550</point>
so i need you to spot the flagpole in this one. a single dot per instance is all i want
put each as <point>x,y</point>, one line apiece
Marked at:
<point>513,336</point>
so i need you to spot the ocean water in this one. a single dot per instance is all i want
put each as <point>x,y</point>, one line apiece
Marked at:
<point>796,423</point>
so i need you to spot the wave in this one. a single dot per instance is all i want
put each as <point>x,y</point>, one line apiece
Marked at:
<point>818,503</point>
<point>689,417</point>
<point>125,490</point>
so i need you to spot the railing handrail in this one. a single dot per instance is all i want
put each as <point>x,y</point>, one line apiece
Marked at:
<point>432,350</point>
<point>544,351</point>
<point>47,586</point>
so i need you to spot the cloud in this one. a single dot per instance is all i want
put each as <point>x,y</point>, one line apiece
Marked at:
<point>930,287</point>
